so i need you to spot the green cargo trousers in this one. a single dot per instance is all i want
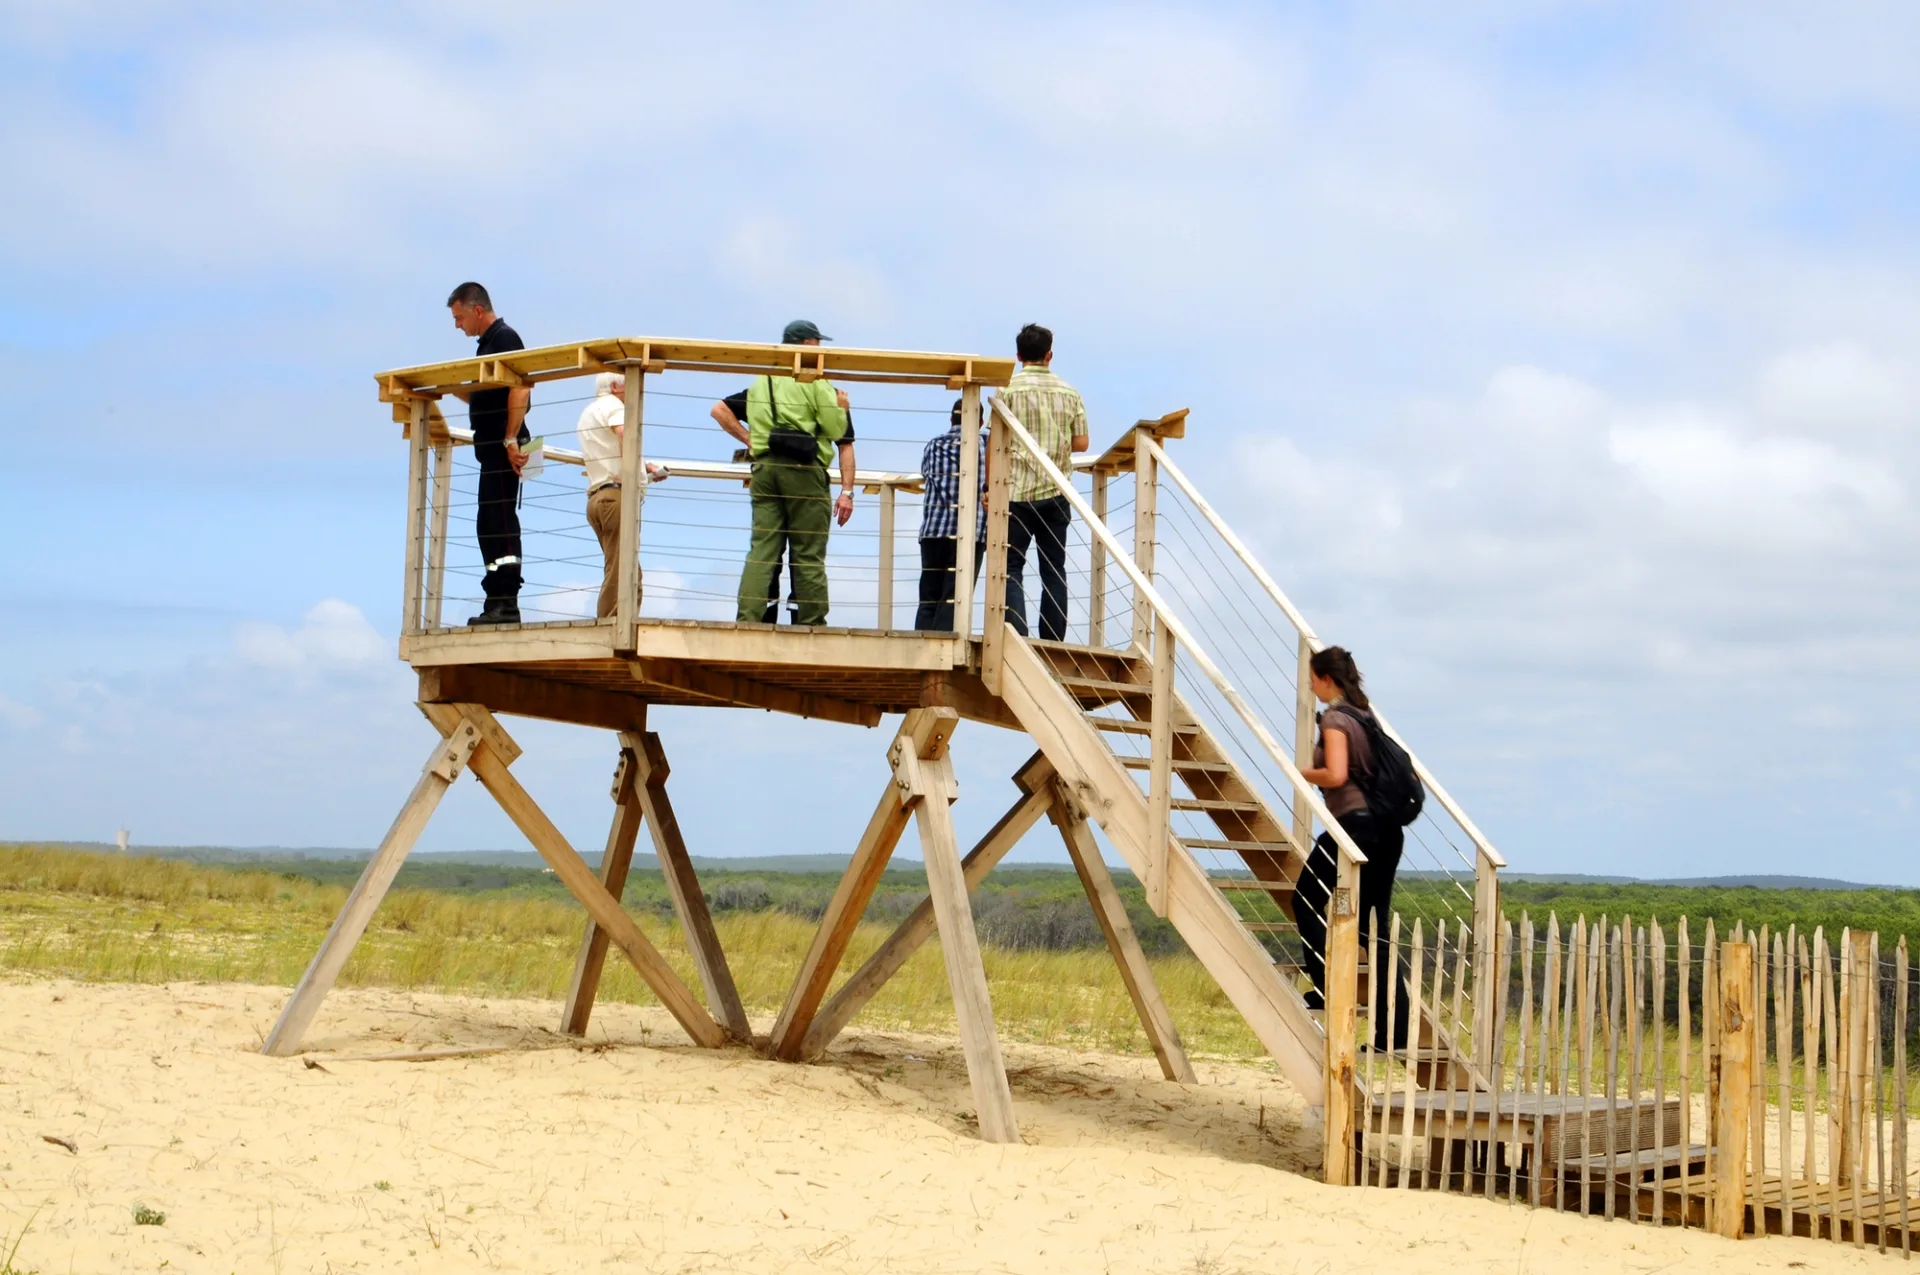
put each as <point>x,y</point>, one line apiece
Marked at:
<point>791,512</point>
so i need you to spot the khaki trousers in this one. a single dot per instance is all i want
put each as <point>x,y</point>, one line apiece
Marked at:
<point>603,515</point>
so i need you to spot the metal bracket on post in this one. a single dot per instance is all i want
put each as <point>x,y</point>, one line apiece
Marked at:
<point>455,750</point>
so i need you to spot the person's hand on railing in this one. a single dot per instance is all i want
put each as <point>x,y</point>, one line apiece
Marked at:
<point>656,473</point>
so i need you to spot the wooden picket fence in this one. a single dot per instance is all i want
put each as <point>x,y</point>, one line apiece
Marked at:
<point>1756,1085</point>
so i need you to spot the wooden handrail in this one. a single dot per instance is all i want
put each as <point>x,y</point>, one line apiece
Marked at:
<point>1183,635</point>
<point>721,470</point>
<point>1300,625</point>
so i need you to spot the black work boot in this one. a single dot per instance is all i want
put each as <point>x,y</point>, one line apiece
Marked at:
<point>497,611</point>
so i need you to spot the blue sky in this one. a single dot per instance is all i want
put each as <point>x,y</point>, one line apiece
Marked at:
<point>1556,356</point>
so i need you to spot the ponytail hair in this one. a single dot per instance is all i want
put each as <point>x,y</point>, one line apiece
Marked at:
<point>1336,664</point>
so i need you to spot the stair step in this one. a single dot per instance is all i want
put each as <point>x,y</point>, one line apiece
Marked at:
<point>1234,807</point>
<point>1127,726</point>
<point>1205,843</point>
<point>1251,885</point>
<point>1074,682</point>
<point>1192,767</point>
<point>1271,927</point>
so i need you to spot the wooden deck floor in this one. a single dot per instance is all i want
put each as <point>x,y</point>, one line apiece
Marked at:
<point>571,671</point>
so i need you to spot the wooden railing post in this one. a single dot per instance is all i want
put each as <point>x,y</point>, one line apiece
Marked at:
<point>993,626</point>
<point>437,543</point>
<point>417,447</point>
<point>627,607</point>
<point>884,604</point>
<point>1160,776</point>
<point>1342,994</point>
<point>1097,568</point>
<point>1486,923</point>
<point>1303,723</point>
<point>1146,490</point>
<point>969,511</point>
<point>1733,1064</point>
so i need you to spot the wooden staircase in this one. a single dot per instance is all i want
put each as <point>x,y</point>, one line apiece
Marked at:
<point>1090,710</point>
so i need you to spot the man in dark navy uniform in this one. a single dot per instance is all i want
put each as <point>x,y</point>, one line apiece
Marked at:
<point>498,419</point>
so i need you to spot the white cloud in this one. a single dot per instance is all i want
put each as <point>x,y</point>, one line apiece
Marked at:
<point>20,717</point>
<point>333,635</point>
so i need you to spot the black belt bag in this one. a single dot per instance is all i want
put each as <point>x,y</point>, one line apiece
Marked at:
<point>788,443</point>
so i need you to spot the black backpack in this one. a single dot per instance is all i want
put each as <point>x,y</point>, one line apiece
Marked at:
<point>1391,788</point>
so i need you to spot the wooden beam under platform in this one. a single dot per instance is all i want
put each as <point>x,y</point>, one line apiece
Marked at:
<point>541,697</point>
<point>736,691</point>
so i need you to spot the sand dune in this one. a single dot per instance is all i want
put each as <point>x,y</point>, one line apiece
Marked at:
<point>643,1154</point>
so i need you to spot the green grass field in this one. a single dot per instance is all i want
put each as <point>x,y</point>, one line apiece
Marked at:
<point>103,917</point>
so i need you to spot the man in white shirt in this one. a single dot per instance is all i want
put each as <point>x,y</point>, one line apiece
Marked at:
<point>602,425</point>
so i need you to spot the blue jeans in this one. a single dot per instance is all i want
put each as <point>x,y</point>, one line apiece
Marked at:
<point>1044,522</point>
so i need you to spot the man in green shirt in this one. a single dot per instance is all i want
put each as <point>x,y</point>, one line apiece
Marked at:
<point>790,432</point>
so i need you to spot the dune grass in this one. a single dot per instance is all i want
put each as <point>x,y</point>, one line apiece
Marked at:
<point>109,918</point>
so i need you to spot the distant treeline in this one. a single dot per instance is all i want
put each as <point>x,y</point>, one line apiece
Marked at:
<point>1021,907</point>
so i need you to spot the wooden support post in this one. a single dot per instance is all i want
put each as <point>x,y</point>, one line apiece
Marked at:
<point>922,728</point>
<point>615,861</point>
<point>683,885</point>
<point>1111,912</point>
<point>1160,776</point>
<point>1734,1065</point>
<point>443,766</point>
<point>1342,1021</point>
<point>884,618</point>
<point>969,511</point>
<point>1486,923</point>
<point>927,783</point>
<point>912,933</point>
<point>577,876</point>
<point>437,542</point>
<point>993,628</point>
<point>417,449</point>
<point>1304,712</point>
<point>632,477</point>
<point>1097,568</point>
<point>1146,491</point>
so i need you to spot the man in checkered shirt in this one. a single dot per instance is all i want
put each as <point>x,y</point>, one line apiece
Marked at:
<point>1051,410</point>
<point>940,526</point>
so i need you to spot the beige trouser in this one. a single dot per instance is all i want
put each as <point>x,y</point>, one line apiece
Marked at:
<point>603,515</point>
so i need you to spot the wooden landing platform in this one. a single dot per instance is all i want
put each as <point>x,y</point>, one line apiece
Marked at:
<point>1814,1210</point>
<point>573,671</point>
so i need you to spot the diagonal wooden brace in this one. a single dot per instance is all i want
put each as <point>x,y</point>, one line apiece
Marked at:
<point>1034,780</point>
<point>615,861</point>
<point>448,759</point>
<point>1122,942</point>
<point>576,875</point>
<point>924,734</point>
<point>683,885</point>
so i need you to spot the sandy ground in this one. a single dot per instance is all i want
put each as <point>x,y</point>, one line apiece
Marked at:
<point>643,1154</point>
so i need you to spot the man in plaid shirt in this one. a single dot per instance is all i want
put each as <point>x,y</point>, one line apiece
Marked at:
<point>1053,413</point>
<point>940,526</point>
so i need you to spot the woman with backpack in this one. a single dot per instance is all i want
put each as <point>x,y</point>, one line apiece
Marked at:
<point>1343,765</point>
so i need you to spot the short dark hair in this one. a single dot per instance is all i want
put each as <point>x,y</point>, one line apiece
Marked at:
<point>1033,344</point>
<point>470,293</point>
<point>957,404</point>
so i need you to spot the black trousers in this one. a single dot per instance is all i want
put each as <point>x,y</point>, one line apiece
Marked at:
<point>937,559</point>
<point>1382,843</point>
<point>497,523</point>
<point>1042,523</point>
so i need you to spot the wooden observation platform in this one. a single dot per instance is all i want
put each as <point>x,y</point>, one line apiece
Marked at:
<point>1144,725</point>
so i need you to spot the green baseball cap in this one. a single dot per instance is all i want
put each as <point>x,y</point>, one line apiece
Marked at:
<point>801,331</point>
